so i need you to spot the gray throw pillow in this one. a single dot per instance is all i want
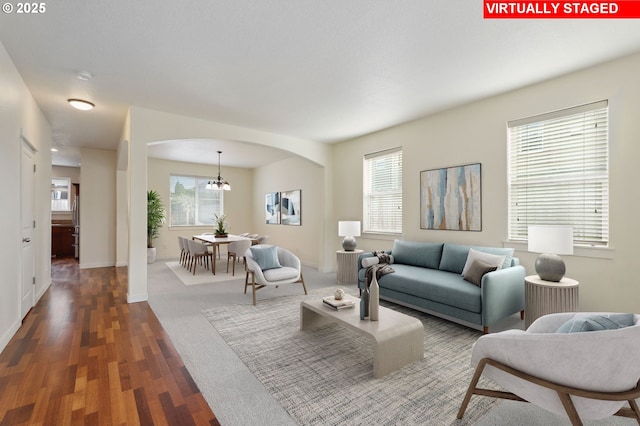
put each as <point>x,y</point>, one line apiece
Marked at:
<point>476,271</point>
<point>266,257</point>
<point>596,323</point>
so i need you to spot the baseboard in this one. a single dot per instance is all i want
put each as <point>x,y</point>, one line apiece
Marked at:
<point>121,264</point>
<point>41,293</point>
<point>6,337</point>
<point>135,298</point>
<point>96,265</point>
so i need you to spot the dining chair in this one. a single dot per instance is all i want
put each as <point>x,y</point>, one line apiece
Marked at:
<point>235,250</point>
<point>184,251</point>
<point>199,253</point>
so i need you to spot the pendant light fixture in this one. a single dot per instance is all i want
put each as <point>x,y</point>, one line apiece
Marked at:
<point>219,183</point>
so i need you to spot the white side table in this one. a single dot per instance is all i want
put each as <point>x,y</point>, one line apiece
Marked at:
<point>348,266</point>
<point>548,297</point>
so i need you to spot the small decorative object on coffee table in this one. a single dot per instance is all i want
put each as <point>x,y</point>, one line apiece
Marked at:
<point>374,296</point>
<point>337,304</point>
<point>364,303</point>
<point>339,294</point>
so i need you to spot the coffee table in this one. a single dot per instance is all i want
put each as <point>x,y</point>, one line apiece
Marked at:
<point>398,339</point>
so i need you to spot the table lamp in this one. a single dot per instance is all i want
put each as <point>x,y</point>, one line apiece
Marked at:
<point>550,240</point>
<point>349,229</point>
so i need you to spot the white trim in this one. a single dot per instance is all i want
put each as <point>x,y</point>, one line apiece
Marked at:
<point>6,338</point>
<point>97,265</point>
<point>135,298</point>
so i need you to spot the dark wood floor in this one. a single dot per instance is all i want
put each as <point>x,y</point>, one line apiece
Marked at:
<point>85,356</point>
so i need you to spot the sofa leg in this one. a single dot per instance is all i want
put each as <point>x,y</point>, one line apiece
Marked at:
<point>522,314</point>
<point>485,330</point>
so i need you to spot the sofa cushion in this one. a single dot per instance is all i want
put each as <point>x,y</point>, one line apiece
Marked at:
<point>435,285</point>
<point>415,253</point>
<point>454,256</point>
<point>476,271</point>
<point>492,259</point>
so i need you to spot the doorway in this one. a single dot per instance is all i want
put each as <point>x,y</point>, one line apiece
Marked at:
<point>27,212</point>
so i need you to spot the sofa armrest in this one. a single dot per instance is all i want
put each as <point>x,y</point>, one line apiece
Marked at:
<point>502,293</point>
<point>365,255</point>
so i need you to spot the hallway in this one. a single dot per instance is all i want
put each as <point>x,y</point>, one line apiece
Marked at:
<point>85,356</point>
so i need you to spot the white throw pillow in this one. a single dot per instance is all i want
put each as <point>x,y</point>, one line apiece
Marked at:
<point>491,259</point>
<point>370,261</point>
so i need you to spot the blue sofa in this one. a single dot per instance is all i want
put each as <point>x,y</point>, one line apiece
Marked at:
<point>428,278</point>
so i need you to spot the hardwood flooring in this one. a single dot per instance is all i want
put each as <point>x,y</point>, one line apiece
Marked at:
<point>85,356</point>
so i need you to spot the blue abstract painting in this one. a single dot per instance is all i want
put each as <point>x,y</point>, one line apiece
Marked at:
<point>450,198</point>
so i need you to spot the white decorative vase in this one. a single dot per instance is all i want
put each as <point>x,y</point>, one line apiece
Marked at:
<point>374,297</point>
<point>151,254</point>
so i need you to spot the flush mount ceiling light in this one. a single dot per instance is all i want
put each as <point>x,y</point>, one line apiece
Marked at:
<point>84,75</point>
<point>81,104</point>
<point>54,149</point>
<point>219,183</point>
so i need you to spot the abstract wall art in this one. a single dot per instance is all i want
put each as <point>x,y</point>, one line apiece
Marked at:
<point>272,208</point>
<point>290,208</point>
<point>451,198</point>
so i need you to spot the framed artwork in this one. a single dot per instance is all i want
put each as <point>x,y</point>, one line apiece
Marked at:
<point>272,208</point>
<point>451,198</point>
<point>290,208</point>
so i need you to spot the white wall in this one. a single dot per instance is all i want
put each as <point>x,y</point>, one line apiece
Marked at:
<point>19,114</point>
<point>477,133</point>
<point>98,208</point>
<point>238,203</point>
<point>307,240</point>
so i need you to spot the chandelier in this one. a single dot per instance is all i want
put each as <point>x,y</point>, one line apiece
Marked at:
<point>219,183</point>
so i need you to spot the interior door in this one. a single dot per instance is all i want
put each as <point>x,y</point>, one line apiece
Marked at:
<point>28,225</point>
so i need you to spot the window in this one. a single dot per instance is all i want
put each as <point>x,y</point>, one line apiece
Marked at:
<point>61,194</point>
<point>382,205</point>
<point>559,173</point>
<point>192,204</point>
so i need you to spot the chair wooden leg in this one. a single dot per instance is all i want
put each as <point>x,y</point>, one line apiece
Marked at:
<point>302,281</point>
<point>570,408</point>
<point>522,314</point>
<point>233,267</point>
<point>253,284</point>
<point>471,389</point>
<point>246,282</point>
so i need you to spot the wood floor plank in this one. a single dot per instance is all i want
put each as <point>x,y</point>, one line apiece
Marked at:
<point>85,356</point>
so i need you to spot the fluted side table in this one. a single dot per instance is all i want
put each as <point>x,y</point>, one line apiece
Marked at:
<point>348,266</point>
<point>548,297</point>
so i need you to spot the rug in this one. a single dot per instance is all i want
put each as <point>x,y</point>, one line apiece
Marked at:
<point>325,376</point>
<point>204,276</point>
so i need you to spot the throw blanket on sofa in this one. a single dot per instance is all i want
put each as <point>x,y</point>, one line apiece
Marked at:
<point>382,268</point>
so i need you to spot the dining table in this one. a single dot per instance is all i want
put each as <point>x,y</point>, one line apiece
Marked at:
<point>215,242</point>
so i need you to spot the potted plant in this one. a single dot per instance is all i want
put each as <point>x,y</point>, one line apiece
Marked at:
<point>221,225</point>
<point>156,217</point>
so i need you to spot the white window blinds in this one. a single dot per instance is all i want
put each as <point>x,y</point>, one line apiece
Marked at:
<point>382,204</point>
<point>192,204</point>
<point>559,173</point>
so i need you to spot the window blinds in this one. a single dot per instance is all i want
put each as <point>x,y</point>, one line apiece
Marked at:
<point>382,204</point>
<point>559,173</point>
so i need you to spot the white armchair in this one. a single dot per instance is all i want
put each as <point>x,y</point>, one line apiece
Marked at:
<point>288,272</point>
<point>587,375</point>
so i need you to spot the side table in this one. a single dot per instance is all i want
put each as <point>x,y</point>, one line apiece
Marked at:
<point>548,297</point>
<point>348,265</point>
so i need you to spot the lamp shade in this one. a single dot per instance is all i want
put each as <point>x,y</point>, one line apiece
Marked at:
<point>349,228</point>
<point>556,239</point>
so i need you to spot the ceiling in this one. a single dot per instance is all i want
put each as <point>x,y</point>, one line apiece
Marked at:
<point>324,70</point>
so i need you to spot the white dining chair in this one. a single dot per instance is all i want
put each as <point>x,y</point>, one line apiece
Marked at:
<point>236,250</point>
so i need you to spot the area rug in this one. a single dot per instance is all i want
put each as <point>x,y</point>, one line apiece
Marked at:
<point>204,276</point>
<point>325,376</point>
